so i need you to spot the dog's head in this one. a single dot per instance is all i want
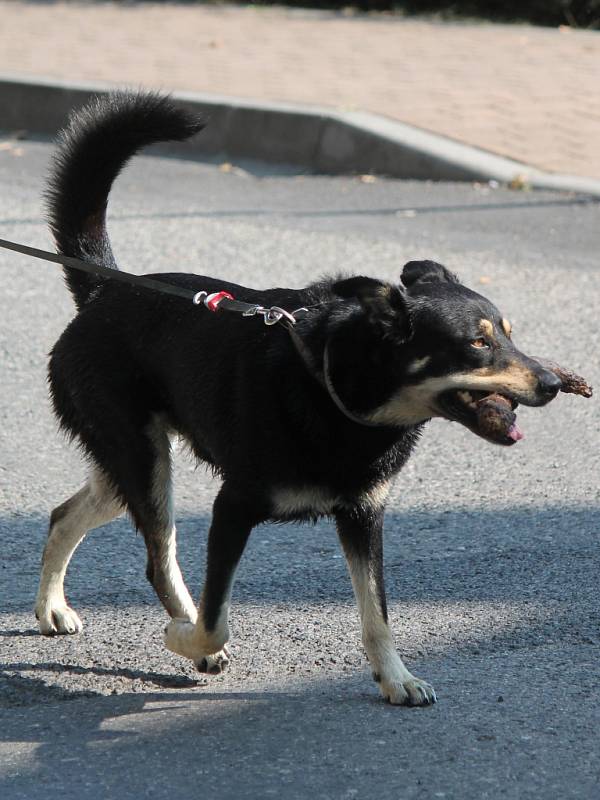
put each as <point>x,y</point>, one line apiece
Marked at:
<point>437,350</point>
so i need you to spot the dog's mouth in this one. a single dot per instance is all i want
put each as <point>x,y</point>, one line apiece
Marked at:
<point>489,415</point>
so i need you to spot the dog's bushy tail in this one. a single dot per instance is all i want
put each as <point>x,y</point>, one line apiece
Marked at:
<point>96,144</point>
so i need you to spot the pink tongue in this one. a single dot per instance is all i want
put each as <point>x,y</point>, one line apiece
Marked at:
<point>515,433</point>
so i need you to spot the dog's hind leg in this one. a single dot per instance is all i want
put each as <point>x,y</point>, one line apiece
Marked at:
<point>156,522</point>
<point>234,516</point>
<point>138,460</point>
<point>94,505</point>
<point>361,535</point>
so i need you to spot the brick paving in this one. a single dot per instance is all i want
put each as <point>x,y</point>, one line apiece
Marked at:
<point>529,93</point>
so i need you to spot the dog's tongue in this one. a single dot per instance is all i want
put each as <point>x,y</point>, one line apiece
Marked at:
<point>515,433</point>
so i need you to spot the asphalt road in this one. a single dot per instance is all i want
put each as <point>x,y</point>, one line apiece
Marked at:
<point>492,555</point>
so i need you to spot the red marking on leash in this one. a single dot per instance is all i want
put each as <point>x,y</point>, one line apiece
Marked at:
<point>213,300</point>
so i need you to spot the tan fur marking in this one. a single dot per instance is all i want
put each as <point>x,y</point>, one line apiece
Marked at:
<point>515,376</point>
<point>416,403</point>
<point>487,328</point>
<point>506,327</point>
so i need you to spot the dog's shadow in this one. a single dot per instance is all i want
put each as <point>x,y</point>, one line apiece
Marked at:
<point>160,680</point>
<point>257,743</point>
<point>238,744</point>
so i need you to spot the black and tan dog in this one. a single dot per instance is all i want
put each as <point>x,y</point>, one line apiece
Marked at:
<point>297,426</point>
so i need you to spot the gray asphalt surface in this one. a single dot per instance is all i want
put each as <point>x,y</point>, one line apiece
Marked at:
<point>492,555</point>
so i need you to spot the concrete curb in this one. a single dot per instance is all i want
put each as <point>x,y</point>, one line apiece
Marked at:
<point>315,138</point>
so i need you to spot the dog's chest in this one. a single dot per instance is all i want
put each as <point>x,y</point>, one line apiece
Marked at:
<point>287,501</point>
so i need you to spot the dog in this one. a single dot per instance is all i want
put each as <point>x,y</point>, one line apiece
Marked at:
<point>300,422</point>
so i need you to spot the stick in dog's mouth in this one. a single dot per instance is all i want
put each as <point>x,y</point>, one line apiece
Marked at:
<point>488,415</point>
<point>571,383</point>
<point>492,415</point>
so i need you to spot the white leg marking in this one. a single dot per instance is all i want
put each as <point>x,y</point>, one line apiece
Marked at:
<point>397,684</point>
<point>207,649</point>
<point>172,585</point>
<point>92,506</point>
<point>180,599</point>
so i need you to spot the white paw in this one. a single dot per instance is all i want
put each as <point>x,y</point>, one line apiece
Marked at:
<point>409,692</point>
<point>58,619</point>
<point>182,637</point>
<point>215,663</point>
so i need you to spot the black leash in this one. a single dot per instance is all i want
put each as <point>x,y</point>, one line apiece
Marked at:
<point>98,269</point>
<point>214,302</point>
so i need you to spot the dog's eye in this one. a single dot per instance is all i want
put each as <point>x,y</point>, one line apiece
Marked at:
<point>481,342</point>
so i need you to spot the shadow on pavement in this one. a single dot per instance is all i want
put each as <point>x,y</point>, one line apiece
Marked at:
<point>165,681</point>
<point>460,554</point>
<point>497,603</point>
<point>324,740</point>
<point>236,744</point>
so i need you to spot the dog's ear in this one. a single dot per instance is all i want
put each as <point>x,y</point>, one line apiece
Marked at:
<point>385,304</point>
<point>426,272</point>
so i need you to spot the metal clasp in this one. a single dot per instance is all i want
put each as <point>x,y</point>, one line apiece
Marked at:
<point>271,316</point>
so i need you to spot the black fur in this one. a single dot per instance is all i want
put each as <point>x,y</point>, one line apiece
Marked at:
<point>134,362</point>
<point>87,162</point>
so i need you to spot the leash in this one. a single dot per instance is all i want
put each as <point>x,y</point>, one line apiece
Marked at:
<point>214,302</point>
<point>98,269</point>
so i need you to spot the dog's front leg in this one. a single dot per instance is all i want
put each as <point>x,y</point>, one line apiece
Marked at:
<point>361,535</point>
<point>205,641</point>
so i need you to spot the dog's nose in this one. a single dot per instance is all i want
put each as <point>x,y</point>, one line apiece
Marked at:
<point>549,384</point>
